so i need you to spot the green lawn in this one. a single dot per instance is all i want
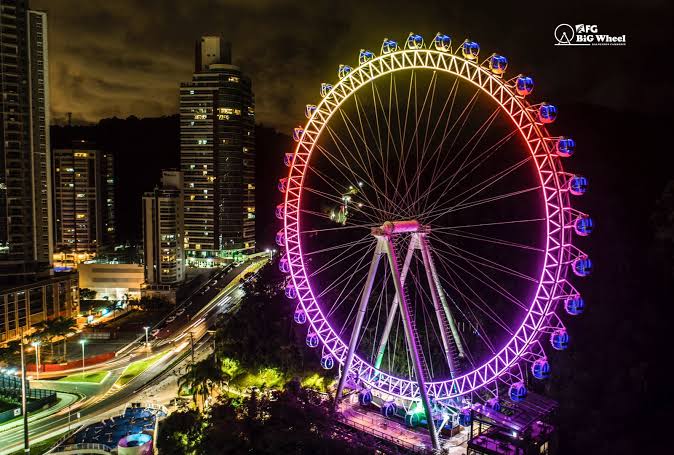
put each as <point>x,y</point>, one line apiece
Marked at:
<point>95,377</point>
<point>38,448</point>
<point>136,368</point>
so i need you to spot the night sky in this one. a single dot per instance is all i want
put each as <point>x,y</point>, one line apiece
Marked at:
<point>126,57</point>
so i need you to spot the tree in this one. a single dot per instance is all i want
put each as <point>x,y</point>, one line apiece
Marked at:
<point>180,433</point>
<point>10,352</point>
<point>201,379</point>
<point>45,331</point>
<point>87,294</point>
<point>62,327</point>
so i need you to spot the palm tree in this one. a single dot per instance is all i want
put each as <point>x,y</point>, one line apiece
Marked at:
<point>63,327</point>
<point>45,331</point>
<point>201,379</point>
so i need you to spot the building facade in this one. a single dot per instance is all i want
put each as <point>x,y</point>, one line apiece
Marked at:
<point>217,157</point>
<point>114,281</point>
<point>26,304</point>
<point>25,183</point>
<point>30,290</point>
<point>163,229</point>
<point>84,201</point>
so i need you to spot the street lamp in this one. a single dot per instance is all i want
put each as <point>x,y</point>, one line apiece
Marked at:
<point>147,343</point>
<point>36,345</point>
<point>83,342</point>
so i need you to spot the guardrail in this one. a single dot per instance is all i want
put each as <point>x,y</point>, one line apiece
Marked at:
<point>385,436</point>
<point>85,447</point>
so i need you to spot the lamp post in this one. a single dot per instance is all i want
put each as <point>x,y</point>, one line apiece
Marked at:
<point>147,343</point>
<point>36,345</point>
<point>26,442</point>
<point>83,342</point>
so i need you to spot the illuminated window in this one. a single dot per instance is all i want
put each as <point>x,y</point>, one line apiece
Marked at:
<point>81,154</point>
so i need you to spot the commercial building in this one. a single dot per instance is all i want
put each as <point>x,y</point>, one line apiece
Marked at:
<point>217,157</point>
<point>26,304</point>
<point>30,291</point>
<point>84,201</point>
<point>25,183</point>
<point>163,232</point>
<point>114,281</point>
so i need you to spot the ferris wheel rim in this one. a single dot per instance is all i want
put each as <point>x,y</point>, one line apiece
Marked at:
<point>536,138</point>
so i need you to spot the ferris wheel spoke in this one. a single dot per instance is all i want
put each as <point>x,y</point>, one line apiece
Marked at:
<point>358,178</point>
<point>355,207</point>
<point>417,280</point>
<point>419,117</point>
<point>490,283</point>
<point>347,274</point>
<point>476,258</point>
<point>455,208</point>
<point>367,168</point>
<point>475,140</point>
<point>348,225</point>
<point>489,239</point>
<point>330,182</point>
<point>488,224</point>
<point>442,165</point>
<point>352,147</point>
<point>402,130</point>
<point>447,206</point>
<point>448,182</point>
<point>480,159</point>
<point>449,279</point>
<point>425,162</point>
<point>342,256</point>
<point>377,158</point>
<point>482,306</point>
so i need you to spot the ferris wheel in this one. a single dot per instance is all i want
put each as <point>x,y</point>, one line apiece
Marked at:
<point>428,230</point>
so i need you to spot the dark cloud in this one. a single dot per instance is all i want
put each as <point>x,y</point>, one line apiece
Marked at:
<point>128,57</point>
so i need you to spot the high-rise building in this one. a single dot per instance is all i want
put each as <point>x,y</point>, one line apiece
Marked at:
<point>84,200</point>
<point>163,229</point>
<point>217,157</point>
<point>25,183</point>
<point>30,291</point>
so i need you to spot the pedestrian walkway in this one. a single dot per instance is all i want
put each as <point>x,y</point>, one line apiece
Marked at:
<point>391,430</point>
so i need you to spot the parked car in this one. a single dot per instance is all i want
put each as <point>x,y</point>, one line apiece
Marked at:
<point>180,312</point>
<point>171,319</point>
<point>155,332</point>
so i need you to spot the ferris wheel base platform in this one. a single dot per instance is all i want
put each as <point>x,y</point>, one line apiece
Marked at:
<point>395,432</point>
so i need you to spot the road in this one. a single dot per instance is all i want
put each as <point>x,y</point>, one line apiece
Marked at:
<point>175,343</point>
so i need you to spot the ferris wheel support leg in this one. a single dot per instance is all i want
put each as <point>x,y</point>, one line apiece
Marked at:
<point>360,316</point>
<point>393,311</point>
<point>411,345</point>
<point>437,307</point>
<point>445,305</point>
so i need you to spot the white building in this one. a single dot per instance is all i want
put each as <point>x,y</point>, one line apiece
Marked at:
<point>163,231</point>
<point>112,280</point>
